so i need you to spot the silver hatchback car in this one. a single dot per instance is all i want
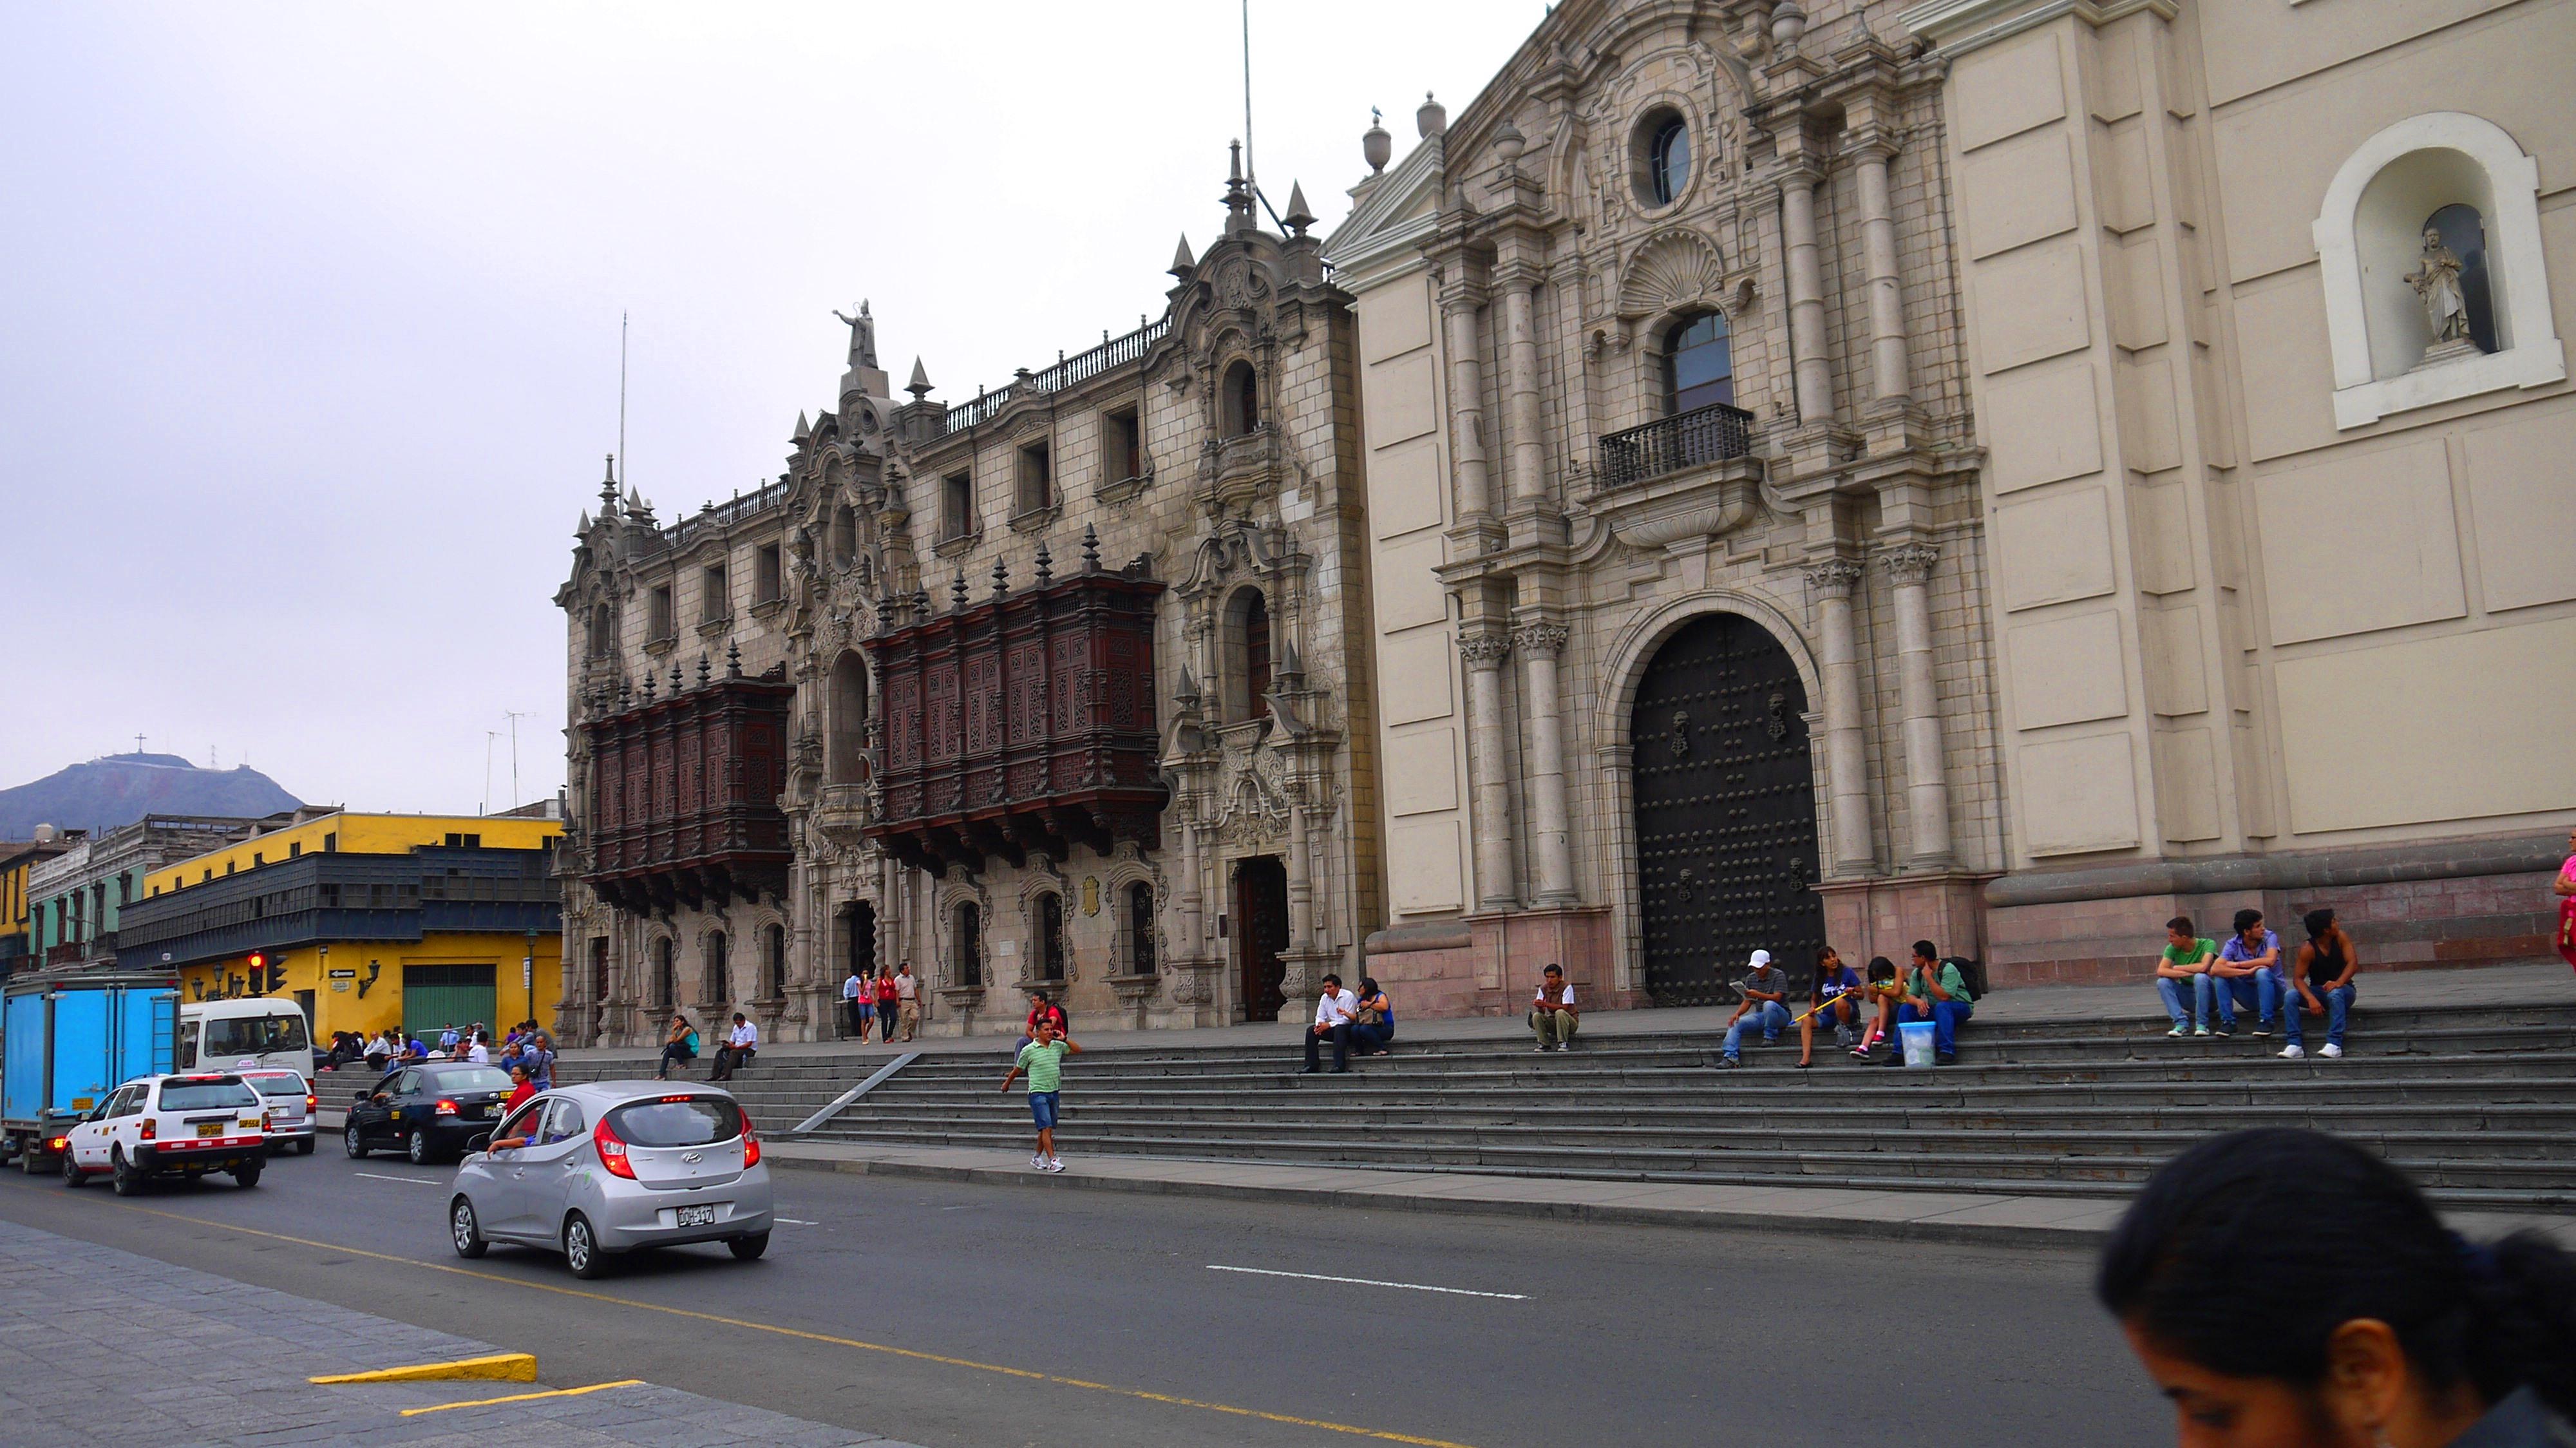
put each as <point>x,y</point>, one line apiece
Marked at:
<point>610,1166</point>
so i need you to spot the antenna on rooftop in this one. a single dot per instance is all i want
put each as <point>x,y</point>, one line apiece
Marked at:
<point>621,398</point>
<point>1251,177</point>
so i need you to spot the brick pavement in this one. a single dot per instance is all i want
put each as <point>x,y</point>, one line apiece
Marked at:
<point>107,1348</point>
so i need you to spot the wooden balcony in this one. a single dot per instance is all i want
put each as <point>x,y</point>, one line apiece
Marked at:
<point>685,797</point>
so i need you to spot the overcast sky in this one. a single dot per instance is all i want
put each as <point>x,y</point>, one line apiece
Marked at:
<point>309,314</point>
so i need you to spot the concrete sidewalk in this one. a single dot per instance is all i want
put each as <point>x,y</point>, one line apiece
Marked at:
<point>107,1348</point>
<point>1992,1220</point>
<point>2380,991</point>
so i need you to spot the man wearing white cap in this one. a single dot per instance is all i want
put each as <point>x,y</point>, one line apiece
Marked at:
<point>1766,995</point>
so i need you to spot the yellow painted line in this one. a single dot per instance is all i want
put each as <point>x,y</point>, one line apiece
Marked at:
<point>508,1367</point>
<point>524,1397</point>
<point>1026,1374</point>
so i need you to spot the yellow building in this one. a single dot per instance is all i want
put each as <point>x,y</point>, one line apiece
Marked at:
<point>365,920</point>
<point>16,856</point>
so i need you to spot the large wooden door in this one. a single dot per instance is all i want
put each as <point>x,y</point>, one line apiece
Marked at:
<point>1260,934</point>
<point>1726,812</point>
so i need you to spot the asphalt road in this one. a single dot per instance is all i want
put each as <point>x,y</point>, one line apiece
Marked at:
<point>967,1315</point>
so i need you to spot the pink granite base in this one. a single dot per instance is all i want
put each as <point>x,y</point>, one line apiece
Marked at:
<point>1885,917</point>
<point>1486,965</point>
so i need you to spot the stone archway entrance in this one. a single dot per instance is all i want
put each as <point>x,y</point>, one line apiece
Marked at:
<point>1260,931</point>
<point>1725,812</point>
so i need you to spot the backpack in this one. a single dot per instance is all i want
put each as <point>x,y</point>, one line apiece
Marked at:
<point>1971,971</point>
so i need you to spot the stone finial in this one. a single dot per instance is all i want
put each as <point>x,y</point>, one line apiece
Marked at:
<point>582,529</point>
<point>677,678</point>
<point>804,430</point>
<point>608,488</point>
<point>1376,146</point>
<point>885,610</point>
<point>648,690</point>
<point>919,386</point>
<point>1090,549</point>
<point>1001,577</point>
<point>1430,118</point>
<point>1182,262</point>
<point>957,592</point>
<point>1046,565</point>
<point>733,651</point>
<point>625,692</point>
<point>1238,193</point>
<point>1788,22</point>
<point>1298,217</point>
<point>1187,695</point>
<point>920,603</point>
<point>705,671</point>
<point>1288,671</point>
<point>1509,143</point>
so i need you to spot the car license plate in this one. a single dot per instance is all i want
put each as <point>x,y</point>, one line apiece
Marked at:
<point>698,1216</point>
<point>210,1128</point>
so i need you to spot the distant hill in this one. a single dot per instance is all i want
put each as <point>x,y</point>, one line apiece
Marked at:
<point>122,788</point>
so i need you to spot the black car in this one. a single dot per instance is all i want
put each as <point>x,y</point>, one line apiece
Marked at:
<point>430,1109</point>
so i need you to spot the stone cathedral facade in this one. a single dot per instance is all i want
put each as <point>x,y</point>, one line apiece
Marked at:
<point>1066,685</point>
<point>1999,471</point>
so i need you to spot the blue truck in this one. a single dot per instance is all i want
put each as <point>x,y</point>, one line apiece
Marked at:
<point>67,1038</point>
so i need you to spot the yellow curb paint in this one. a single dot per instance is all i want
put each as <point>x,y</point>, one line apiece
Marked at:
<point>525,1397</point>
<point>508,1367</point>
<point>1026,1374</point>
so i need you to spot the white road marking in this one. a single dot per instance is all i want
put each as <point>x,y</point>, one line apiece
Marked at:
<point>1372,1282</point>
<point>408,1181</point>
<point>792,1222</point>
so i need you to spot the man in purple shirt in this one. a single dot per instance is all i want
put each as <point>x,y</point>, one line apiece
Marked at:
<point>2248,973</point>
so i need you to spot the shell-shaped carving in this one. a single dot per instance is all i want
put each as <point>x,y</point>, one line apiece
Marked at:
<point>1675,270</point>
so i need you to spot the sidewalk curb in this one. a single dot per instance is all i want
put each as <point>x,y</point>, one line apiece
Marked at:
<point>1958,1233</point>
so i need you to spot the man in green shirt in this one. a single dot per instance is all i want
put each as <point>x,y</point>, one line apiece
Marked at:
<point>1043,1059</point>
<point>2185,966</point>
<point>1935,991</point>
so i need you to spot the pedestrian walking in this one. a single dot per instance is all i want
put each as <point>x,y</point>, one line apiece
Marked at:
<point>907,999</point>
<point>887,1001</point>
<point>851,1005</point>
<point>2323,979</point>
<point>2284,1287</point>
<point>1043,1061</point>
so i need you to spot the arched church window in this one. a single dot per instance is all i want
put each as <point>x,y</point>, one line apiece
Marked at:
<point>666,972</point>
<point>1140,929</point>
<point>845,535</point>
<point>1699,364</point>
<point>1242,400</point>
<point>719,971</point>
<point>1246,642</point>
<point>602,631</point>
<point>967,934</point>
<point>1050,936</point>
<point>846,708</point>
<point>1668,160</point>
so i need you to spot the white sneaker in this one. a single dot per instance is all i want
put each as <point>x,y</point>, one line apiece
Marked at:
<point>2293,1053</point>
<point>2331,1051</point>
<point>1055,1163</point>
<point>1039,1162</point>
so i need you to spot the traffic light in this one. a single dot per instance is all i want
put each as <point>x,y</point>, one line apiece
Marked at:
<point>267,972</point>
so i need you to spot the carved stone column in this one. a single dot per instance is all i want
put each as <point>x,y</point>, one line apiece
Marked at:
<point>1489,786</point>
<point>1301,888</point>
<point>1815,378</point>
<point>1927,784</point>
<point>1846,755</point>
<point>1466,403</point>
<point>1887,364</point>
<point>1528,461</point>
<point>1190,922</point>
<point>1539,644</point>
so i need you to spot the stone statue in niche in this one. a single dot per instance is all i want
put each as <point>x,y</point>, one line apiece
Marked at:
<point>2436,280</point>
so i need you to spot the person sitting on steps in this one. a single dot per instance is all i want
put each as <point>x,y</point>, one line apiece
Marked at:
<point>1880,996</point>
<point>2323,980</point>
<point>1374,1026</point>
<point>1935,991</point>
<point>1553,1015</point>
<point>2248,974</point>
<point>1834,1000</point>
<point>1766,995</point>
<point>741,1044</point>
<point>1335,1009</point>
<point>679,1048</point>
<point>2184,968</point>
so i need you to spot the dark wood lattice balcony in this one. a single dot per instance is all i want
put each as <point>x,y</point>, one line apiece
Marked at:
<point>684,796</point>
<point>1021,723</point>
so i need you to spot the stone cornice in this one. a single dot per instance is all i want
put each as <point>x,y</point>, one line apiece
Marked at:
<point>1960,26</point>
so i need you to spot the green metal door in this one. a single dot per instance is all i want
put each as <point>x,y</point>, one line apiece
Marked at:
<point>443,995</point>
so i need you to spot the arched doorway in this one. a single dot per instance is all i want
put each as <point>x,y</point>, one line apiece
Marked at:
<point>1260,930</point>
<point>1726,812</point>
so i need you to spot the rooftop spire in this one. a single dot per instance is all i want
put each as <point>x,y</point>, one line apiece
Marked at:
<point>1238,194</point>
<point>919,386</point>
<point>1182,262</point>
<point>1298,217</point>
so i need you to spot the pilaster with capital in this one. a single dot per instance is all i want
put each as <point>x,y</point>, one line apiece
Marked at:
<point>1459,299</point>
<point>1490,787</point>
<point>1833,582</point>
<point>1814,371</point>
<point>1527,462</point>
<point>1539,642</point>
<point>1927,785</point>
<point>1889,383</point>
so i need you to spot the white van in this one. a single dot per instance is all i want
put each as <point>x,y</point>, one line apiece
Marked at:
<point>245,1034</point>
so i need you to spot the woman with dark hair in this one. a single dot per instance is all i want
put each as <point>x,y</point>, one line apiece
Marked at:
<point>2290,1290</point>
<point>2322,981</point>
<point>1374,1026</point>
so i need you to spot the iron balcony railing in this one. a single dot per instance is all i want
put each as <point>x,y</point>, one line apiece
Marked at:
<point>1116,352</point>
<point>1669,444</point>
<point>725,514</point>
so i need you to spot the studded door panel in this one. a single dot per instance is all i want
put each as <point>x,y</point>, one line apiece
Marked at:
<point>1726,813</point>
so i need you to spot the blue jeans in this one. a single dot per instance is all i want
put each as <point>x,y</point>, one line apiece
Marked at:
<point>1771,1016</point>
<point>1946,1018</point>
<point>1372,1038</point>
<point>2338,1004</point>
<point>2202,988</point>
<point>2259,993</point>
